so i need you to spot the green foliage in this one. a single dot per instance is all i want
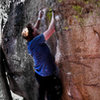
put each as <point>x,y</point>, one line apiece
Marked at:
<point>50,9</point>
<point>49,14</point>
<point>66,27</point>
<point>77,8</point>
<point>86,2</point>
<point>91,1</point>
<point>79,19</point>
<point>98,4</point>
<point>59,1</point>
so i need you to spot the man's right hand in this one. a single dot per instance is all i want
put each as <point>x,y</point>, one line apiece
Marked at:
<point>40,14</point>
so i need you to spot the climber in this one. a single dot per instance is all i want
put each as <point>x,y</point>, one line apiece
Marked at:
<point>46,71</point>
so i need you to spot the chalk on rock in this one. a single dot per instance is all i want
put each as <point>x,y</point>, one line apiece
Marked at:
<point>57,17</point>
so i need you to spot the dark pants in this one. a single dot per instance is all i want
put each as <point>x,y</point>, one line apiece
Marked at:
<point>49,87</point>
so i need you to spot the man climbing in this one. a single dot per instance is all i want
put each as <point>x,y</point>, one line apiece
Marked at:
<point>45,68</point>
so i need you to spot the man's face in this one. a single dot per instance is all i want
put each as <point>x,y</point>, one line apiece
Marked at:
<point>25,32</point>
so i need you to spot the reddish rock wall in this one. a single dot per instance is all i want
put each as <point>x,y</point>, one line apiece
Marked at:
<point>78,53</point>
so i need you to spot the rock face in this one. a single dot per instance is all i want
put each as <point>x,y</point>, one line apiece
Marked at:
<point>75,45</point>
<point>19,69</point>
<point>4,88</point>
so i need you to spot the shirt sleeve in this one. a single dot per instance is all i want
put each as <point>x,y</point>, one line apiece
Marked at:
<point>37,40</point>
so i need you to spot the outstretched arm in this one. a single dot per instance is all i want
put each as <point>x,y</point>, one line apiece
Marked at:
<point>51,29</point>
<point>37,24</point>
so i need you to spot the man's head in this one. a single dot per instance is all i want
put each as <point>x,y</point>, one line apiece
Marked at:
<point>29,32</point>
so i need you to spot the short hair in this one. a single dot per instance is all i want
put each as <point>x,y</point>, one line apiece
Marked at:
<point>28,31</point>
<point>30,27</point>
